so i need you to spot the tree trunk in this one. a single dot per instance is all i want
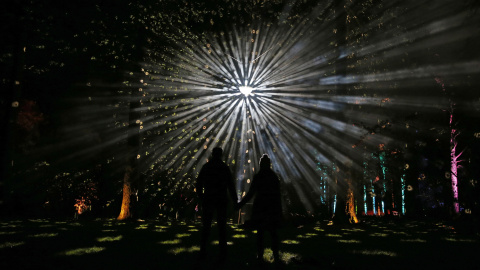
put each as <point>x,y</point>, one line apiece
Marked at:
<point>350,206</point>
<point>131,171</point>
<point>454,159</point>
<point>454,169</point>
<point>453,150</point>
<point>125,212</point>
<point>130,179</point>
<point>131,174</point>
<point>340,216</point>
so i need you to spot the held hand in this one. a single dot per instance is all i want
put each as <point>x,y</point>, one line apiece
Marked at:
<point>238,205</point>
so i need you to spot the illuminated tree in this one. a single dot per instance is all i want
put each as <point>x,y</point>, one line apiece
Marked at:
<point>125,211</point>
<point>454,155</point>
<point>350,206</point>
<point>454,162</point>
<point>134,85</point>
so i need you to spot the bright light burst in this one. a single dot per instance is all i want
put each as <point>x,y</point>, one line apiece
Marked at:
<point>245,90</point>
<point>330,85</point>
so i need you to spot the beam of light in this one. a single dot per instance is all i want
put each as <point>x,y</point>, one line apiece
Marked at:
<point>319,98</point>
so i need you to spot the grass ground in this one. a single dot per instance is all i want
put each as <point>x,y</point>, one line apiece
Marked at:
<point>108,244</point>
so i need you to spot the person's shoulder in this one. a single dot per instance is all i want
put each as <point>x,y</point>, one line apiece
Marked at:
<point>225,166</point>
<point>273,175</point>
<point>209,166</point>
<point>216,164</point>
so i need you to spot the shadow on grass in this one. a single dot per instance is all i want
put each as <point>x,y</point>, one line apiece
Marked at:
<point>108,244</point>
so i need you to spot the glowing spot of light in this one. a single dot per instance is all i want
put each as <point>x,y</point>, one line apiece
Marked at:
<point>82,251</point>
<point>245,90</point>
<point>291,242</point>
<point>352,241</point>
<point>10,244</point>
<point>376,253</point>
<point>171,242</point>
<point>184,249</point>
<point>109,239</point>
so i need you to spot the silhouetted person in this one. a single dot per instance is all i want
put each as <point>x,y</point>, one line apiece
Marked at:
<point>267,207</point>
<point>213,182</point>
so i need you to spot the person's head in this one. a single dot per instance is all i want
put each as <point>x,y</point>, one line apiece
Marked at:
<point>265,162</point>
<point>217,153</point>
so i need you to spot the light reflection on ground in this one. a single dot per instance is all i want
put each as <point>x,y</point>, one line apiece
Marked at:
<point>291,242</point>
<point>171,242</point>
<point>41,235</point>
<point>82,251</point>
<point>179,250</point>
<point>417,240</point>
<point>349,241</point>
<point>376,252</point>
<point>318,245</point>
<point>110,238</point>
<point>11,244</point>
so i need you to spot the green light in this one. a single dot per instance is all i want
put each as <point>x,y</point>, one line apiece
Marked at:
<point>82,251</point>
<point>110,238</point>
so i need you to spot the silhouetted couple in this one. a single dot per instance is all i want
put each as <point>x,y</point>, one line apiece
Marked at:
<point>215,183</point>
